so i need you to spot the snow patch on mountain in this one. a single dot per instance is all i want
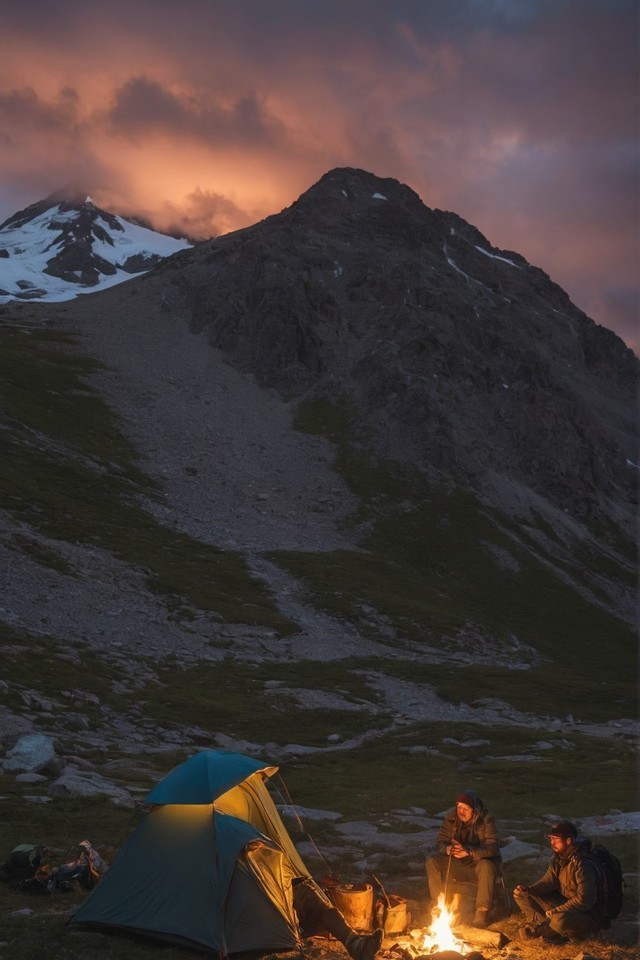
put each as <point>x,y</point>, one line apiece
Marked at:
<point>59,252</point>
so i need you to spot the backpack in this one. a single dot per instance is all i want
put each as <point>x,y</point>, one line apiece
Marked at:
<point>610,885</point>
<point>43,881</point>
<point>23,862</point>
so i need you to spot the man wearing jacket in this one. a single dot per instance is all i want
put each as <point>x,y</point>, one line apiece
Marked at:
<point>562,904</point>
<point>467,850</point>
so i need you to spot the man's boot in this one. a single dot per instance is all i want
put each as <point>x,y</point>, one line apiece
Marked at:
<point>364,946</point>
<point>481,917</point>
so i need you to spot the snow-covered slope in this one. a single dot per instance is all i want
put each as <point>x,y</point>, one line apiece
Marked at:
<point>65,245</point>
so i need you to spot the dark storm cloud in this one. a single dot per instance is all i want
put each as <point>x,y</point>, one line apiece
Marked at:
<point>25,107</point>
<point>557,83</point>
<point>619,309</point>
<point>142,105</point>
<point>270,24</point>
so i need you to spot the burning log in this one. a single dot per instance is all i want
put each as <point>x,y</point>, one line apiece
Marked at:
<point>410,952</point>
<point>451,955</point>
<point>445,939</point>
<point>401,952</point>
<point>407,951</point>
<point>444,955</point>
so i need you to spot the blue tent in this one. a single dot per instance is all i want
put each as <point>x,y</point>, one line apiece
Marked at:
<point>210,865</point>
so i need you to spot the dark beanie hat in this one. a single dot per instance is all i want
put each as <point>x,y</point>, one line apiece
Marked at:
<point>467,798</point>
<point>564,829</point>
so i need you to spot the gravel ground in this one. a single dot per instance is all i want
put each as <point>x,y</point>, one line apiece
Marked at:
<point>234,471</point>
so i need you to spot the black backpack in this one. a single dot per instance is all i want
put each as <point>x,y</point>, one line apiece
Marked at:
<point>610,885</point>
<point>23,862</point>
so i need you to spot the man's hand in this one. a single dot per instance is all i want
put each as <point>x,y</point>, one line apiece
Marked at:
<point>455,849</point>
<point>519,889</point>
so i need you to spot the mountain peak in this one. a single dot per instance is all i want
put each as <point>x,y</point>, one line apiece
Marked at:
<point>72,194</point>
<point>457,355</point>
<point>69,197</point>
<point>347,188</point>
<point>59,246</point>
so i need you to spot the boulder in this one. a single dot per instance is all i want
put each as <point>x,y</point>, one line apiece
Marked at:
<point>80,783</point>
<point>34,753</point>
<point>518,848</point>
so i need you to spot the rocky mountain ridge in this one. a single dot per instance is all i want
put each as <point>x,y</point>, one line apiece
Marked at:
<point>456,356</point>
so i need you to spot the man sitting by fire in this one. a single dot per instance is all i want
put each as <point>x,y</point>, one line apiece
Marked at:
<point>562,904</point>
<point>467,850</point>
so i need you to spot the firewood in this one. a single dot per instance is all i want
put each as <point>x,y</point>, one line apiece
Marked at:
<point>481,937</point>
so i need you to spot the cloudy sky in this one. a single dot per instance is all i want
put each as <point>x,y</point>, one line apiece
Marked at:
<point>207,115</point>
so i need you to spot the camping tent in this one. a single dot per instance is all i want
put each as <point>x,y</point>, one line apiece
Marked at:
<point>210,865</point>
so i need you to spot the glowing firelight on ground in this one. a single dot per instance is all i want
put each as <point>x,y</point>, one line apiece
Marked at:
<point>440,935</point>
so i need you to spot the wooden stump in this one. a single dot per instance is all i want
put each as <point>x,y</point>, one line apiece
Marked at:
<point>479,937</point>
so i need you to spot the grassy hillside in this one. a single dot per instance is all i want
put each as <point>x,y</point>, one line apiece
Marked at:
<point>67,471</point>
<point>428,565</point>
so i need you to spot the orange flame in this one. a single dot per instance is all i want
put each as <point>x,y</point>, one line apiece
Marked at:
<point>440,935</point>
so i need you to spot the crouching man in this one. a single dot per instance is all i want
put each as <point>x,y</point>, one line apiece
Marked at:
<point>561,905</point>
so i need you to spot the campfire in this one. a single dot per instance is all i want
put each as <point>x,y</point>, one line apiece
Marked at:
<point>443,938</point>
<point>440,935</point>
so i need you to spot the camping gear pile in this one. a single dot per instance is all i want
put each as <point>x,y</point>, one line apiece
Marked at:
<point>210,864</point>
<point>367,906</point>
<point>28,867</point>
